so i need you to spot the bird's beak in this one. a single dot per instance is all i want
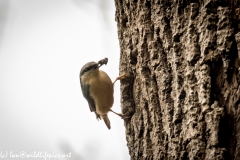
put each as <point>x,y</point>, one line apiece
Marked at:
<point>99,65</point>
<point>102,61</point>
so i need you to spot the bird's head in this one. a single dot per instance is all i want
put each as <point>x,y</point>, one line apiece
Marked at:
<point>92,66</point>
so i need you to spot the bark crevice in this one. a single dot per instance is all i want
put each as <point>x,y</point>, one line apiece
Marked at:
<point>183,93</point>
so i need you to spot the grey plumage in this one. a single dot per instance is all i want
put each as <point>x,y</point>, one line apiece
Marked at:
<point>86,94</point>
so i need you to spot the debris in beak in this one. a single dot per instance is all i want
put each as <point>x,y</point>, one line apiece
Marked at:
<point>102,61</point>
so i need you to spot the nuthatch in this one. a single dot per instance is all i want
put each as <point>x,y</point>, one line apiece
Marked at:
<point>97,88</point>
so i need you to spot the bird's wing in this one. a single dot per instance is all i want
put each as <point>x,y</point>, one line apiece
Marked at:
<point>86,94</point>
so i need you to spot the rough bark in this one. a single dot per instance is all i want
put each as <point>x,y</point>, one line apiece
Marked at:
<point>183,97</point>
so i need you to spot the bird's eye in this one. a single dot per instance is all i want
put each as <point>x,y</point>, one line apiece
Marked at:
<point>93,66</point>
<point>88,68</point>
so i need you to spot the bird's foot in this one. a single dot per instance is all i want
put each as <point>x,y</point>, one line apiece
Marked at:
<point>98,116</point>
<point>125,75</point>
<point>123,116</point>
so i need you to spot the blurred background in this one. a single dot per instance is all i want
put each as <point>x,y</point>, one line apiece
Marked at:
<point>43,45</point>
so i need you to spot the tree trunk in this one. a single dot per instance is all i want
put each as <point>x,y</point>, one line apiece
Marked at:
<point>183,96</point>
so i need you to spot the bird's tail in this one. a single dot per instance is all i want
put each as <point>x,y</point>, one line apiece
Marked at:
<point>106,120</point>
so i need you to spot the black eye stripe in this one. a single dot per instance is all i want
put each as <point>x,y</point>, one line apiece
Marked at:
<point>87,67</point>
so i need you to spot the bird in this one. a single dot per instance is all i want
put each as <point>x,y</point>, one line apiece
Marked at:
<point>97,88</point>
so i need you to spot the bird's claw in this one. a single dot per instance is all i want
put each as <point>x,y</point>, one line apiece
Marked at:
<point>124,116</point>
<point>124,76</point>
<point>98,116</point>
